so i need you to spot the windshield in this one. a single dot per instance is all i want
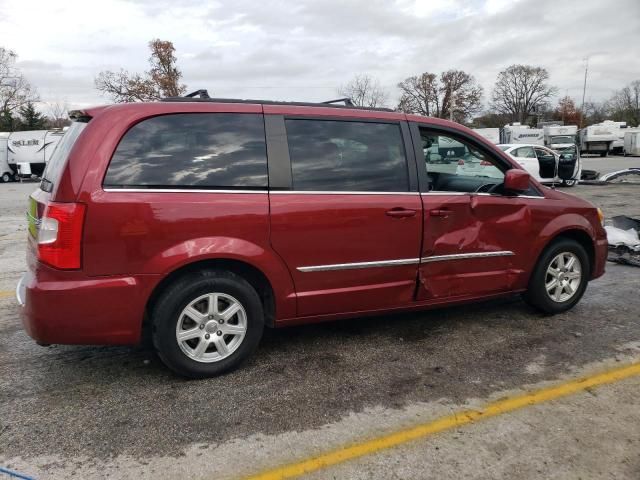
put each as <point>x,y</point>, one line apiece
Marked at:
<point>59,156</point>
<point>562,139</point>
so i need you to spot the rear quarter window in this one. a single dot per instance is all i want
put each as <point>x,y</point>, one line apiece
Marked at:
<point>192,150</point>
<point>58,159</point>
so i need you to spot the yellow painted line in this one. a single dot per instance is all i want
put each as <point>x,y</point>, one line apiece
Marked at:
<point>400,437</point>
<point>7,293</point>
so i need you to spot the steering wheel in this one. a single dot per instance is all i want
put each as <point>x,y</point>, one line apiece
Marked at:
<point>487,188</point>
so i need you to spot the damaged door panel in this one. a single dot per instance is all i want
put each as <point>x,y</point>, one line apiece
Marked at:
<point>478,251</point>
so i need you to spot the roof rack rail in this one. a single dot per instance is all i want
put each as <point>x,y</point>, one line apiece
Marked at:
<point>203,96</point>
<point>346,100</point>
<point>202,93</point>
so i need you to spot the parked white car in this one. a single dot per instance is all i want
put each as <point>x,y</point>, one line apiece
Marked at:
<point>546,165</point>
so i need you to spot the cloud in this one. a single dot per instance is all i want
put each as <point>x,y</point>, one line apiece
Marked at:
<point>304,50</point>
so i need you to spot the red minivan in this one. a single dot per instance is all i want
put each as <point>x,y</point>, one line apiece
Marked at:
<point>207,219</point>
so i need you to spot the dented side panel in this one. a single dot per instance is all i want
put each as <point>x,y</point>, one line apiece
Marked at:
<point>471,226</point>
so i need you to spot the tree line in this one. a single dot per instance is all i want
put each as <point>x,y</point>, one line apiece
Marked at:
<point>521,93</point>
<point>18,99</point>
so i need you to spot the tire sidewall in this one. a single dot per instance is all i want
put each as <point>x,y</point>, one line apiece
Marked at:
<point>537,294</point>
<point>167,311</point>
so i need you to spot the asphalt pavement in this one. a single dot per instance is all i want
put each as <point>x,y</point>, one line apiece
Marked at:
<point>117,412</point>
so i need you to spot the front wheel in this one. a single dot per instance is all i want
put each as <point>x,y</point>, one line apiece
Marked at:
<point>207,323</point>
<point>559,278</point>
<point>6,178</point>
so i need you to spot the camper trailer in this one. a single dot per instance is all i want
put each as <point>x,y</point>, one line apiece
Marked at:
<point>29,151</point>
<point>632,143</point>
<point>560,137</point>
<point>6,174</point>
<point>618,129</point>
<point>491,134</point>
<point>518,133</point>
<point>597,139</point>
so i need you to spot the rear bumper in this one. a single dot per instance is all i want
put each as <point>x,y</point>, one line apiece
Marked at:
<point>67,308</point>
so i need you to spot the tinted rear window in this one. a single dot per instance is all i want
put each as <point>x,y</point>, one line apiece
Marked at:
<point>329,155</point>
<point>192,150</point>
<point>59,156</point>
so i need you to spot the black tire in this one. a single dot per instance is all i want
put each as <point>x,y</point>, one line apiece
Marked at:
<point>569,183</point>
<point>6,177</point>
<point>166,313</point>
<point>603,154</point>
<point>536,294</point>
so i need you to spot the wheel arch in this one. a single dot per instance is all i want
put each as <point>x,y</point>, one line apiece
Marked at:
<point>581,236</point>
<point>250,273</point>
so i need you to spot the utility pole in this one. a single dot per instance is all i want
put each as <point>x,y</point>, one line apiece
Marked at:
<point>584,89</point>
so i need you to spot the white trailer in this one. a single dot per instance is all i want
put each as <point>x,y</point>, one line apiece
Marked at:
<point>560,137</point>
<point>632,143</point>
<point>29,151</point>
<point>517,133</point>
<point>618,129</point>
<point>597,139</point>
<point>6,174</point>
<point>491,134</point>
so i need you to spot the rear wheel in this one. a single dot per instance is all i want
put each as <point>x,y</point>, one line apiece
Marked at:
<point>560,277</point>
<point>603,154</point>
<point>207,323</point>
<point>569,183</point>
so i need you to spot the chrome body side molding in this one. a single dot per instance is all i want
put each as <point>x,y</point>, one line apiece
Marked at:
<point>403,261</point>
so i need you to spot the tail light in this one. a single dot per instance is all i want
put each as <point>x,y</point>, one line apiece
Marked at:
<point>461,162</point>
<point>60,235</point>
<point>484,163</point>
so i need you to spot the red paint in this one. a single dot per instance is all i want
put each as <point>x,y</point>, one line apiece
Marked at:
<point>132,241</point>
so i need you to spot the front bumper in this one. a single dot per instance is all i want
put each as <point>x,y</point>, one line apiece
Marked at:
<point>69,308</point>
<point>600,260</point>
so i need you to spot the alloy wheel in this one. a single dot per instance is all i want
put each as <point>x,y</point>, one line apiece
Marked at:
<point>563,277</point>
<point>211,327</point>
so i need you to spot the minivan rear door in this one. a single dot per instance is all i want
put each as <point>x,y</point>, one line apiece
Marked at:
<point>346,215</point>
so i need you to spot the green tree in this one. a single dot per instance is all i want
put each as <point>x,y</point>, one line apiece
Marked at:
<point>30,118</point>
<point>7,122</point>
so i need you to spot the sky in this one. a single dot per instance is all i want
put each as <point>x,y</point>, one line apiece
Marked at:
<point>304,50</point>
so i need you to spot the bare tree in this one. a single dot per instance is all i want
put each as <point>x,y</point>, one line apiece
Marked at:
<point>454,94</point>
<point>364,91</point>
<point>419,94</point>
<point>625,104</point>
<point>58,114</point>
<point>521,90</point>
<point>15,90</point>
<point>595,112</point>
<point>162,80</point>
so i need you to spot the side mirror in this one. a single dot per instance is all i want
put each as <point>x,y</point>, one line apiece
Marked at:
<point>516,180</point>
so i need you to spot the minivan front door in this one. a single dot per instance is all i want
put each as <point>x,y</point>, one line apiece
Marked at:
<point>474,236</point>
<point>349,227</point>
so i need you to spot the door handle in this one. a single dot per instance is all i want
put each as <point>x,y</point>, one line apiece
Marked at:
<point>401,212</point>
<point>439,212</point>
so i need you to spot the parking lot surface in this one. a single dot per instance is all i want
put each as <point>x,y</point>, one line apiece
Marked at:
<point>117,412</point>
